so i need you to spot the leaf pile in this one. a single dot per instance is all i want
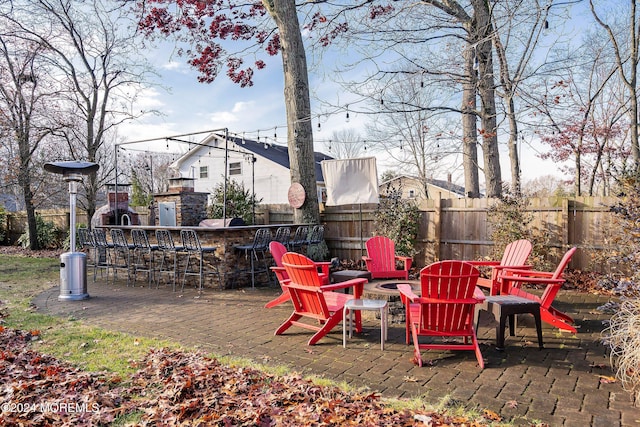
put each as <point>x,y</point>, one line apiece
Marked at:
<point>181,388</point>
<point>197,390</point>
<point>37,389</point>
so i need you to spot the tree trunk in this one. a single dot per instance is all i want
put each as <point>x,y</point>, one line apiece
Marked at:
<point>482,33</point>
<point>298,107</point>
<point>24,180</point>
<point>470,130</point>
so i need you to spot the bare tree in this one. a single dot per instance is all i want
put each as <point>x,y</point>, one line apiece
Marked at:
<point>24,113</point>
<point>95,48</point>
<point>414,132</point>
<point>345,144</point>
<point>626,48</point>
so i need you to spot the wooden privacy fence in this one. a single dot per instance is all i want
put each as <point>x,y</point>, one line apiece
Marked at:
<point>449,228</point>
<point>458,228</point>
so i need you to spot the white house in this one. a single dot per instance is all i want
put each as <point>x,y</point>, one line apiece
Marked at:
<point>263,167</point>
<point>413,188</point>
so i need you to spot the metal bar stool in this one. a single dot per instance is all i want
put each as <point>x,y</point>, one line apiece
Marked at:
<point>283,234</point>
<point>143,254</point>
<point>299,239</point>
<point>257,251</point>
<point>195,252</point>
<point>101,253</point>
<point>169,259</point>
<point>87,245</point>
<point>121,259</point>
<point>315,237</point>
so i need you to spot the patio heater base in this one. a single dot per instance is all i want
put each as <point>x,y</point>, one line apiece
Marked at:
<point>73,276</point>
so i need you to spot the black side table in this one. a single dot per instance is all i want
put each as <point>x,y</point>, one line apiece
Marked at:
<point>507,306</point>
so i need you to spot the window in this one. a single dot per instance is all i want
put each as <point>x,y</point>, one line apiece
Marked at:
<point>204,172</point>
<point>412,194</point>
<point>235,168</point>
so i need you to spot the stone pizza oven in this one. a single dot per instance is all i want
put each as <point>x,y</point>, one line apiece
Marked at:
<point>117,204</point>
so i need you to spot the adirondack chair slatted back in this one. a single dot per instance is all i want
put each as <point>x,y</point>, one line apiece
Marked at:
<point>516,253</point>
<point>278,250</point>
<point>305,287</point>
<point>382,252</point>
<point>447,291</point>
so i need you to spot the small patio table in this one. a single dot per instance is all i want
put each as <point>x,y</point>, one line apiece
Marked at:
<point>364,304</point>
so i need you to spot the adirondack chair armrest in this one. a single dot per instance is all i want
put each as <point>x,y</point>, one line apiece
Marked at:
<point>353,283</point>
<point>323,266</point>
<point>484,263</point>
<point>513,267</point>
<point>532,279</point>
<point>519,271</point>
<point>460,301</point>
<point>280,273</point>
<point>407,260</point>
<point>406,293</point>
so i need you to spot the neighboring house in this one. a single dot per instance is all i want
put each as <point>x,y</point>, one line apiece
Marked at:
<point>9,202</point>
<point>413,188</point>
<point>262,167</point>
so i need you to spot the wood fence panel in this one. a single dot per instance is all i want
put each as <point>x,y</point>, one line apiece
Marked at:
<point>448,229</point>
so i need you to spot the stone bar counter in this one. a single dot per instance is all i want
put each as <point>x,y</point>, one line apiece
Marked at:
<point>224,239</point>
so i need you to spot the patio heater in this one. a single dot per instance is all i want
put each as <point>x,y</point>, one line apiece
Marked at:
<point>73,265</point>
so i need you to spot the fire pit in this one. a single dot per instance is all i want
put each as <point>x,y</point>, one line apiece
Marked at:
<point>388,290</point>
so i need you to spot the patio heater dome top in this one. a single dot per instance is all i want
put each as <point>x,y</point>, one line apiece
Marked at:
<point>71,167</point>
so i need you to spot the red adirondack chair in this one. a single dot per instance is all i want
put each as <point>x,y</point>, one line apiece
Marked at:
<point>513,279</point>
<point>381,259</point>
<point>311,300</point>
<point>515,256</point>
<point>445,309</point>
<point>277,250</point>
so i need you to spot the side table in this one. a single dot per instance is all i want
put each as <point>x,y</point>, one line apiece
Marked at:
<point>503,306</point>
<point>364,304</point>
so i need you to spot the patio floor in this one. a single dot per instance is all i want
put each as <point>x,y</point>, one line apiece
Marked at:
<point>559,385</point>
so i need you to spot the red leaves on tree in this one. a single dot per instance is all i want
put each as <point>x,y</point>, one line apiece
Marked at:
<point>205,25</point>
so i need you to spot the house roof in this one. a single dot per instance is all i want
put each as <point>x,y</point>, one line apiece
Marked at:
<point>445,185</point>
<point>276,153</point>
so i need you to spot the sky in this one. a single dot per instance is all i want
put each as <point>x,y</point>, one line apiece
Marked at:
<point>190,106</point>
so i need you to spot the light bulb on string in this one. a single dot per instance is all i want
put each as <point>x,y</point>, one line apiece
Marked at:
<point>243,140</point>
<point>319,126</point>
<point>329,145</point>
<point>347,118</point>
<point>275,133</point>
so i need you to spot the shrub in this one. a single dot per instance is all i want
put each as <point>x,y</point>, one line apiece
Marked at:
<point>623,334</point>
<point>240,202</point>
<point>48,235</point>
<point>510,220</point>
<point>398,219</point>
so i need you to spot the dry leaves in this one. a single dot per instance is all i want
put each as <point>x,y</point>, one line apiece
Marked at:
<point>184,388</point>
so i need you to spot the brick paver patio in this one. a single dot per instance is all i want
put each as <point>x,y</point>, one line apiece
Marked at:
<point>559,385</point>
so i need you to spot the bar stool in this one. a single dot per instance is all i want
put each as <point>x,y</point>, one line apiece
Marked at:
<point>101,253</point>
<point>143,254</point>
<point>257,251</point>
<point>195,252</point>
<point>169,257</point>
<point>121,259</point>
<point>87,245</point>
<point>315,237</point>
<point>299,239</point>
<point>283,234</point>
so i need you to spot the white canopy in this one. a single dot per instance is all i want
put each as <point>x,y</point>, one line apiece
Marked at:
<point>351,181</point>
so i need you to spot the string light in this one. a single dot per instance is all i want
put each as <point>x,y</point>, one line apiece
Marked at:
<point>243,140</point>
<point>319,126</point>
<point>275,132</point>
<point>347,118</point>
